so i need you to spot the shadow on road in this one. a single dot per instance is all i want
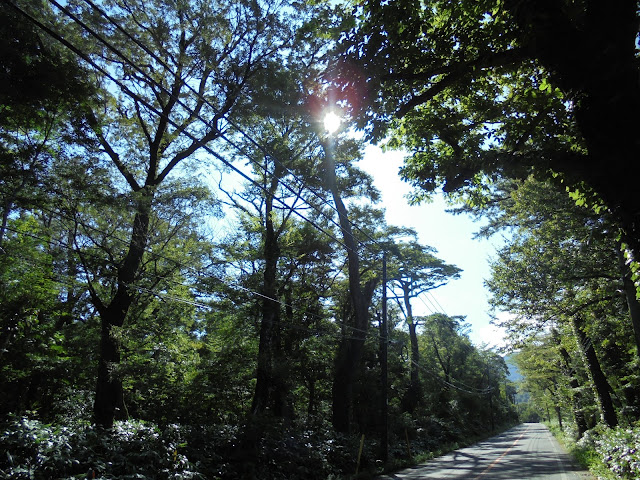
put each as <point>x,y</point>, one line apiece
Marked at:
<point>525,452</point>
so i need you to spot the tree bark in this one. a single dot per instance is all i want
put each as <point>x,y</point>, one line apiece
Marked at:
<point>265,383</point>
<point>576,396</point>
<point>559,416</point>
<point>350,349</point>
<point>347,361</point>
<point>109,401</point>
<point>600,384</point>
<point>591,54</point>
<point>630,295</point>
<point>414,393</point>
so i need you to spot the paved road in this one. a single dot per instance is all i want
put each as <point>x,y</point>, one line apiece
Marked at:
<point>525,452</point>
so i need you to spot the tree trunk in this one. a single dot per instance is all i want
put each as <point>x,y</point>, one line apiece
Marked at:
<point>267,394</point>
<point>591,55</point>
<point>66,310</point>
<point>351,345</point>
<point>5,220</point>
<point>311,404</point>
<point>347,361</point>
<point>600,383</point>
<point>109,401</point>
<point>630,295</point>
<point>559,415</point>
<point>270,322</point>
<point>576,396</point>
<point>414,393</point>
<point>548,414</point>
<point>284,351</point>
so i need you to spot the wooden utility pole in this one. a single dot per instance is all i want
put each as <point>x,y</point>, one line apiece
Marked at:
<point>384,347</point>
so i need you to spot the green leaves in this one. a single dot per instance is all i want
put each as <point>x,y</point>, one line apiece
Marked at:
<point>35,450</point>
<point>618,449</point>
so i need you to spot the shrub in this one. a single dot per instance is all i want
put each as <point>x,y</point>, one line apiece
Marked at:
<point>619,449</point>
<point>133,449</point>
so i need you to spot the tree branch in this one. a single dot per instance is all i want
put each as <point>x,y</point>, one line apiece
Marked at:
<point>454,73</point>
<point>115,158</point>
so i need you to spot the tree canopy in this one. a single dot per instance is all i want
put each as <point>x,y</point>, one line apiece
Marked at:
<point>476,90</point>
<point>194,275</point>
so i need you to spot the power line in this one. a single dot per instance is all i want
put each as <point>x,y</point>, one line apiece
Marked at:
<point>129,92</point>
<point>475,391</point>
<point>220,134</point>
<point>175,298</point>
<point>429,307</point>
<point>193,302</point>
<point>197,141</point>
<point>428,292</point>
<point>251,140</point>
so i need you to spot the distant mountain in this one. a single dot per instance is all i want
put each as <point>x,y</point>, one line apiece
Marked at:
<point>515,376</point>
<point>514,373</point>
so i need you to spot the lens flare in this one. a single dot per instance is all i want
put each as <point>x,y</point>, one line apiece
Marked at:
<point>332,122</point>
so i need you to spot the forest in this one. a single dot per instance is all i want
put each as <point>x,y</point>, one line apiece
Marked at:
<point>197,280</point>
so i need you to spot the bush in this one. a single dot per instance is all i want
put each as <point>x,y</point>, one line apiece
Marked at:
<point>266,448</point>
<point>133,449</point>
<point>619,449</point>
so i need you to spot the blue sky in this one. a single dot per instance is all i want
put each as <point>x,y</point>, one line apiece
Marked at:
<point>451,235</point>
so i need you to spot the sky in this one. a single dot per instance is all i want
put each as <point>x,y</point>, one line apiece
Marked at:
<point>452,237</point>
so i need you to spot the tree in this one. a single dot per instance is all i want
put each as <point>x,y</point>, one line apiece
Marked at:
<point>350,349</point>
<point>172,74</point>
<point>541,366</point>
<point>415,271</point>
<point>477,90</point>
<point>561,267</point>
<point>43,91</point>
<point>463,384</point>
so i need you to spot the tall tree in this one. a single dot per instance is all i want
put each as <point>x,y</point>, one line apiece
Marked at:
<point>561,267</point>
<point>172,74</point>
<point>350,349</point>
<point>416,270</point>
<point>284,162</point>
<point>43,93</point>
<point>479,89</point>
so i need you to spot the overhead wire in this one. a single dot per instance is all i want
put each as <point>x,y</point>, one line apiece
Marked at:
<point>221,135</point>
<point>233,124</point>
<point>475,391</point>
<point>150,107</point>
<point>164,295</point>
<point>157,255</point>
<point>428,292</point>
<point>431,306</point>
<point>201,305</point>
<point>129,92</point>
<point>198,141</point>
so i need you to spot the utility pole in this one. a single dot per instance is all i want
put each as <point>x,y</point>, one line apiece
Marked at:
<point>384,347</point>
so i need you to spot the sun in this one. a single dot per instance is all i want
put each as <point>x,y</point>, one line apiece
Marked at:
<point>332,122</point>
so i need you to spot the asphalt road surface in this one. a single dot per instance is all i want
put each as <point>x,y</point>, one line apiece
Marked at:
<point>525,452</point>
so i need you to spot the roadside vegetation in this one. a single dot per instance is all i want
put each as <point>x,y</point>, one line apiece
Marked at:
<point>198,281</point>
<point>607,453</point>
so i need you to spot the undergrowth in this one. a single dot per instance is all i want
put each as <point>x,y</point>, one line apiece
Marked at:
<point>609,453</point>
<point>260,449</point>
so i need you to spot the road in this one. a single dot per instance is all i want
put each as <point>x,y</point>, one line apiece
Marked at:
<point>525,452</point>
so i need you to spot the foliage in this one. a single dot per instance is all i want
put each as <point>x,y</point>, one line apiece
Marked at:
<point>619,449</point>
<point>478,91</point>
<point>133,449</point>
<point>608,453</point>
<point>117,270</point>
<point>560,277</point>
